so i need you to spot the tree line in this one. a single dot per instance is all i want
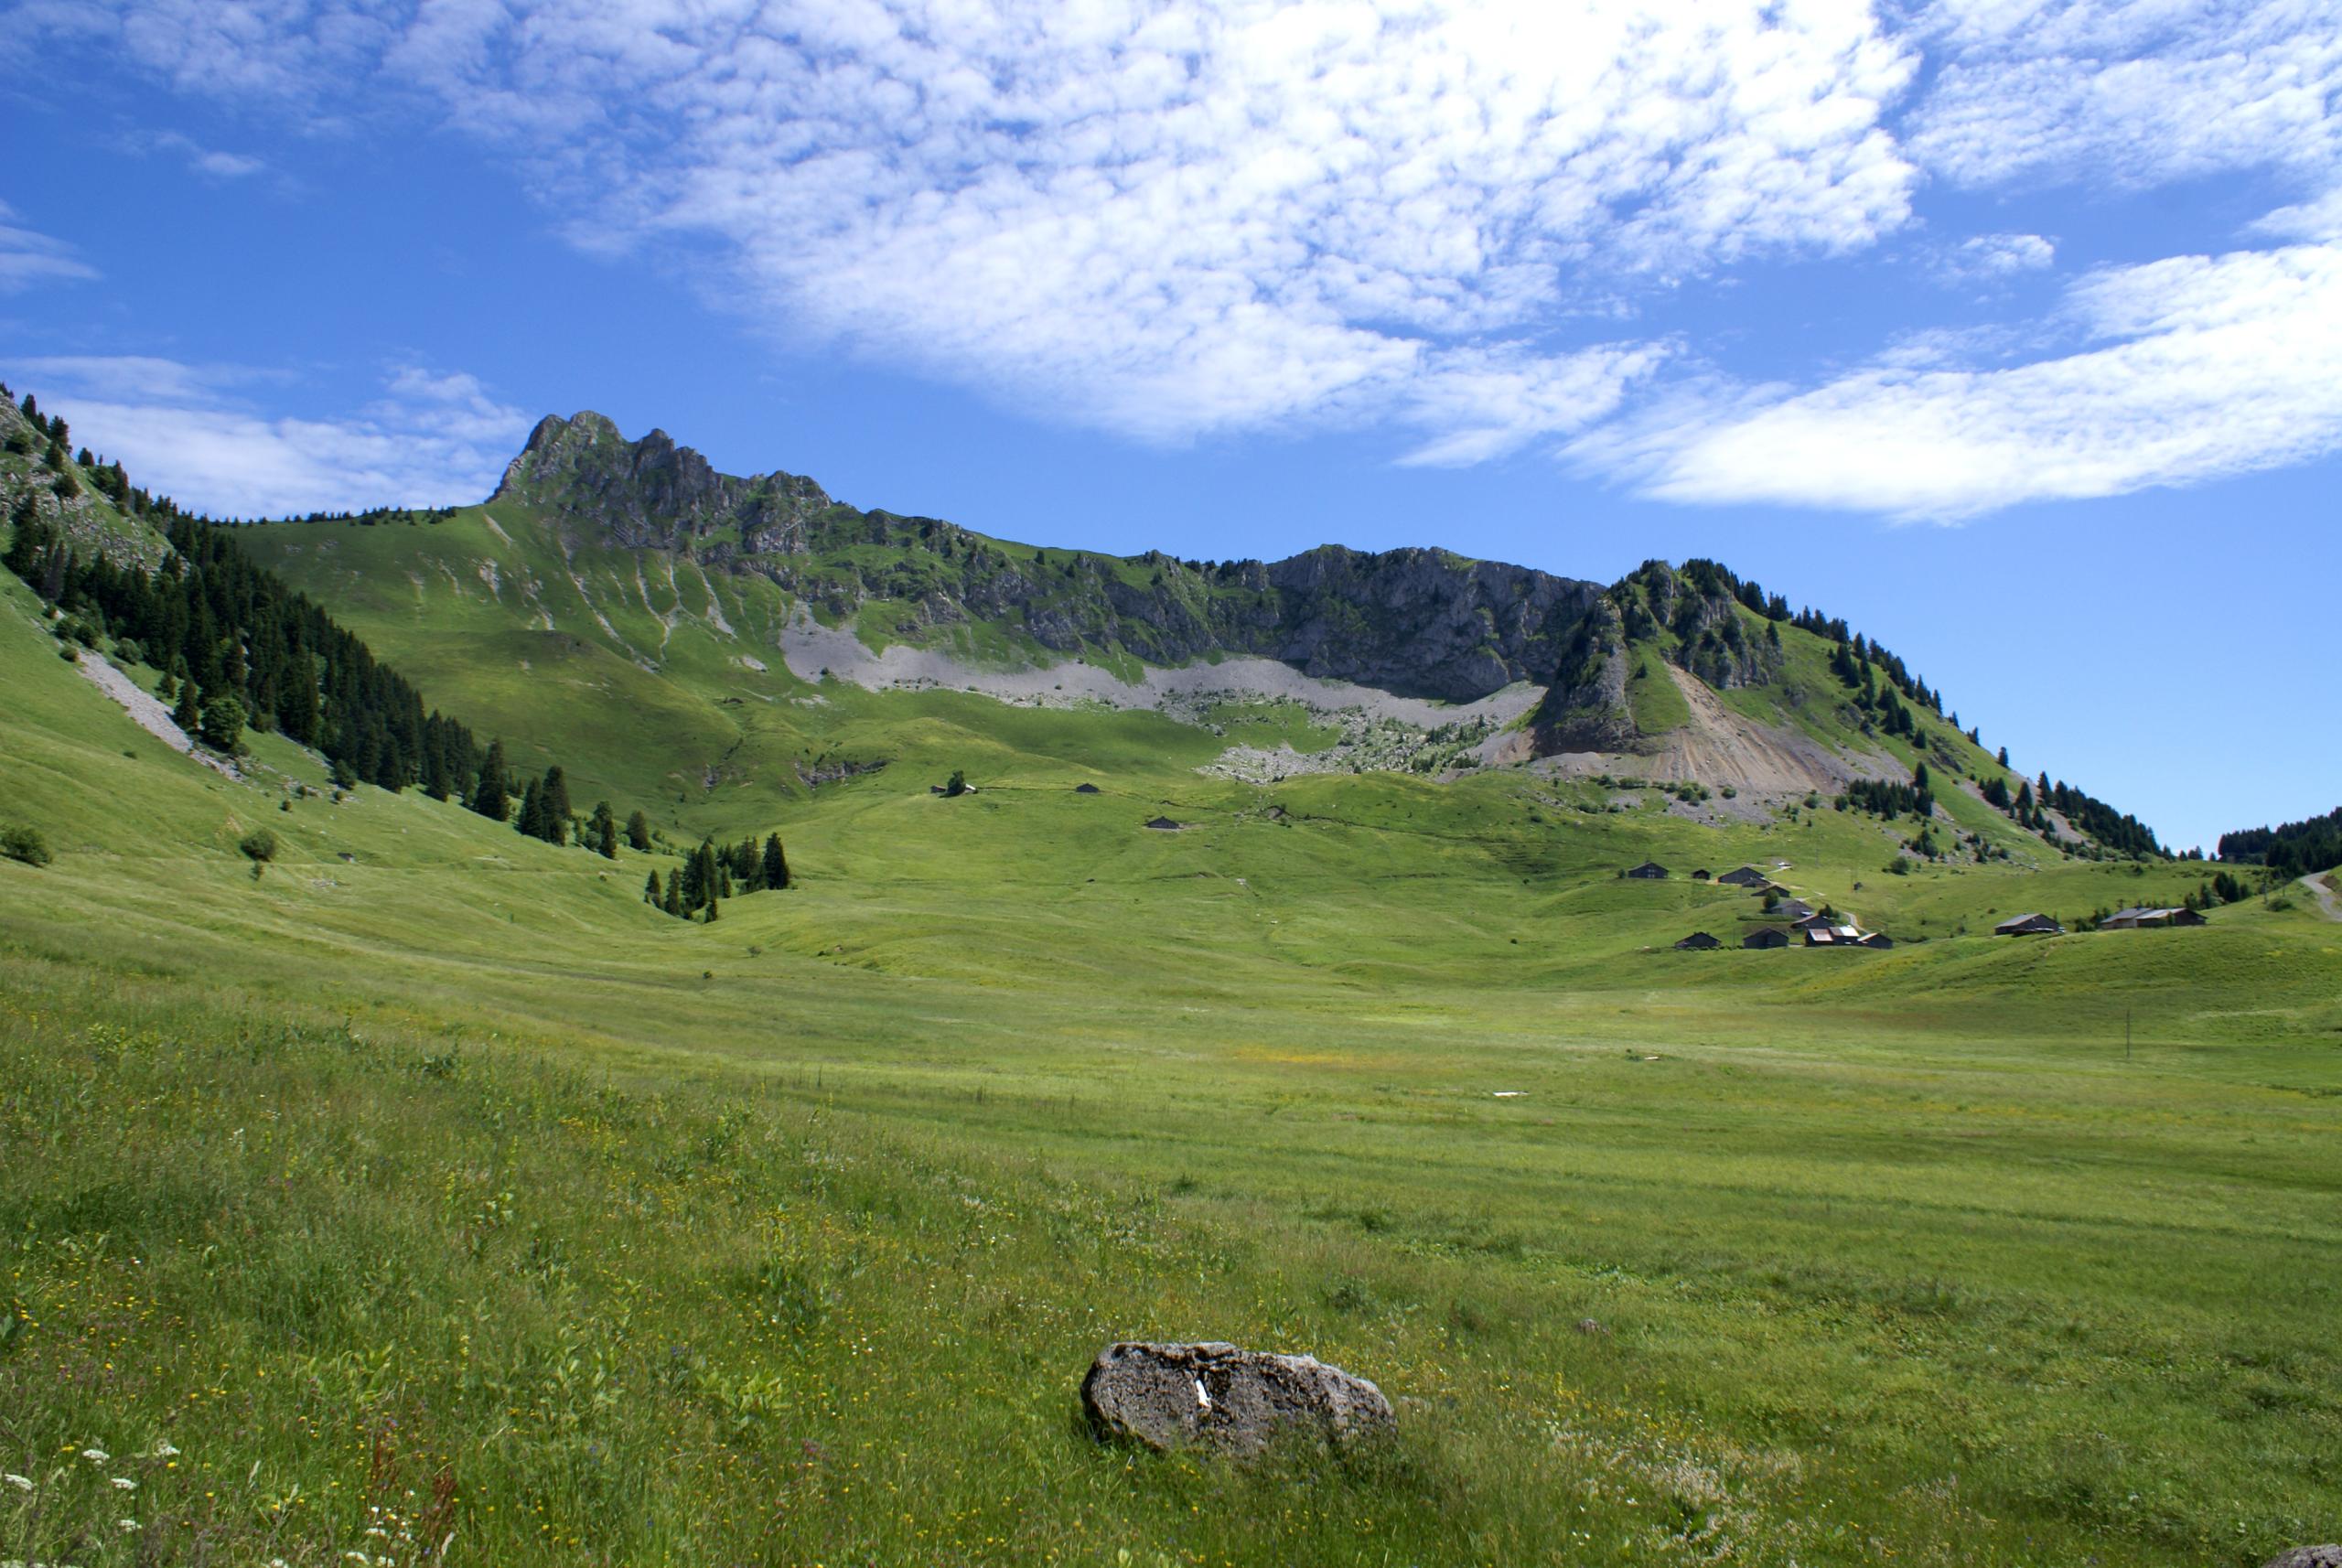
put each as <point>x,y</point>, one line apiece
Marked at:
<point>239,647</point>
<point>2291,849</point>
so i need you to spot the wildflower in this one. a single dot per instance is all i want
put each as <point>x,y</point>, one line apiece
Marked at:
<point>96,1455</point>
<point>164,1451</point>
<point>129,1525</point>
<point>22,1484</point>
<point>124,1484</point>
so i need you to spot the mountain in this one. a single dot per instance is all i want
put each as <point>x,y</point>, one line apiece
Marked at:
<point>671,631</point>
<point>1421,623</point>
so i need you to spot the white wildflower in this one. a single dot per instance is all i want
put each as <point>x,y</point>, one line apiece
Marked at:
<point>123,1483</point>
<point>96,1455</point>
<point>164,1451</point>
<point>129,1525</point>
<point>22,1484</point>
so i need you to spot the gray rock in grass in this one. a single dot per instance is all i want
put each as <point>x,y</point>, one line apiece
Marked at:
<point>1232,1400</point>
<point>2307,1557</point>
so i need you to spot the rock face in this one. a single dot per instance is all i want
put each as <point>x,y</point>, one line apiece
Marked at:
<point>654,494</point>
<point>1235,1401</point>
<point>2328,1556</point>
<point>1421,623</point>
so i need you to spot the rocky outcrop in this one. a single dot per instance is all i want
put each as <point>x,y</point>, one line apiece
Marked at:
<point>1421,623</point>
<point>653,494</point>
<point>2328,1556</point>
<point>1586,708</point>
<point>1231,1400</point>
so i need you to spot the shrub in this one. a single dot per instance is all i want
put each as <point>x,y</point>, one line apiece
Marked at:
<point>18,841</point>
<point>260,846</point>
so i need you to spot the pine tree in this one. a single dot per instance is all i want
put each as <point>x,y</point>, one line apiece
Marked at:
<point>492,794</point>
<point>602,834</point>
<point>673,904</point>
<point>556,807</point>
<point>637,832</point>
<point>775,863</point>
<point>650,894</point>
<point>532,819</point>
<point>188,714</point>
<point>711,911</point>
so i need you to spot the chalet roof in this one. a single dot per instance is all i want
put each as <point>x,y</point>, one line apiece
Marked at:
<point>1746,876</point>
<point>1698,939</point>
<point>1766,936</point>
<point>1166,824</point>
<point>1085,789</point>
<point>1650,866</point>
<point>2023,922</point>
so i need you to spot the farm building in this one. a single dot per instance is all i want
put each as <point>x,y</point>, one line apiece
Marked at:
<point>1165,825</point>
<point>1650,871</point>
<point>1879,939</point>
<point>1698,941</point>
<point>1701,875</point>
<point>1085,789</point>
<point>1827,936</point>
<point>1746,876</point>
<point>1792,909</point>
<point>1766,936</point>
<point>2136,919</point>
<point>2029,926</point>
<point>1812,922</point>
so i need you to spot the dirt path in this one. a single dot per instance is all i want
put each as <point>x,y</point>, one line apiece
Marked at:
<point>2326,897</point>
<point>147,710</point>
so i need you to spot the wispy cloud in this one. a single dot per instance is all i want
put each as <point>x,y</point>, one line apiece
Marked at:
<point>1175,221</point>
<point>2210,366</point>
<point>27,258</point>
<point>189,431</point>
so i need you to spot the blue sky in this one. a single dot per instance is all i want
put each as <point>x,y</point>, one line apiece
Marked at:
<point>2009,330</point>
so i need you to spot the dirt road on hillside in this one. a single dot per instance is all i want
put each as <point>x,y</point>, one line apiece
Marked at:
<point>2326,898</point>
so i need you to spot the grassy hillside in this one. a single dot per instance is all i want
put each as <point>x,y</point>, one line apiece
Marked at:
<point>429,1172</point>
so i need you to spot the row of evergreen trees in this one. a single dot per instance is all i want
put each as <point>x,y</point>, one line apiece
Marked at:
<point>216,622</point>
<point>239,647</point>
<point>712,874</point>
<point>1890,800</point>
<point>2292,849</point>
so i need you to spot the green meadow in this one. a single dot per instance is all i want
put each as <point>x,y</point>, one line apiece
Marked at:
<point>425,1196</point>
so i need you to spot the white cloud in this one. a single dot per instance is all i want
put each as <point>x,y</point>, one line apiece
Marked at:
<point>1166,221</point>
<point>1990,258</point>
<point>27,258</point>
<point>1173,219</point>
<point>179,430</point>
<point>2136,92</point>
<point>2211,366</point>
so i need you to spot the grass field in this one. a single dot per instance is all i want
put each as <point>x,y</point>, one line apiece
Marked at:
<point>428,1183</point>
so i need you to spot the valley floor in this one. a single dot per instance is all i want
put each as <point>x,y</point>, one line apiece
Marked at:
<point>428,1184</point>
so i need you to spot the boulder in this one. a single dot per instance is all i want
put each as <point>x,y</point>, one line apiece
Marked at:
<point>2329,1556</point>
<point>1230,1400</point>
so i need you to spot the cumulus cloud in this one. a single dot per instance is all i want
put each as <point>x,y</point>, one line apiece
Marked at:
<point>2208,366</point>
<point>27,258</point>
<point>2127,92</point>
<point>1166,221</point>
<point>1448,219</point>
<point>185,431</point>
<point>1989,258</point>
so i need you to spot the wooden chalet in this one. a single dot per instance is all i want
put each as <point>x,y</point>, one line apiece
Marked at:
<point>1829,936</point>
<point>1701,875</point>
<point>1085,789</point>
<point>1766,936</point>
<point>1650,871</point>
<point>1698,941</point>
<point>1791,910</point>
<point>2029,926</point>
<point>1746,876</point>
<point>1165,825</point>
<point>2139,919</point>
